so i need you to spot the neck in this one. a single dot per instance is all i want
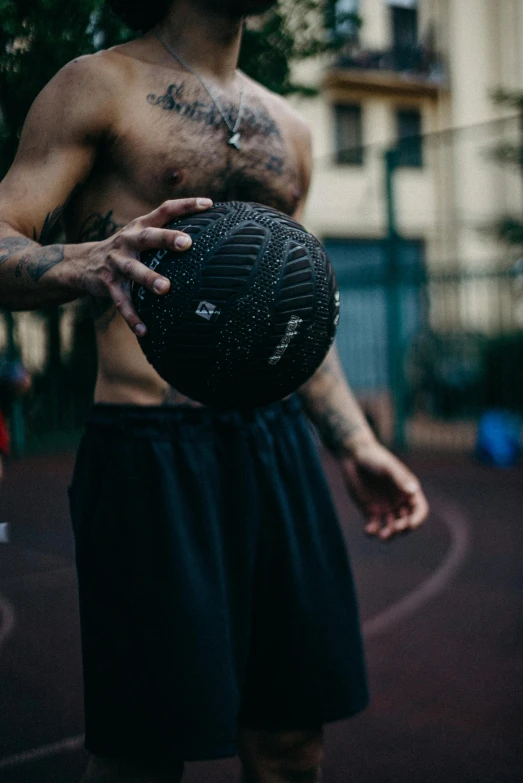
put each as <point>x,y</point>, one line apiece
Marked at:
<point>205,38</point>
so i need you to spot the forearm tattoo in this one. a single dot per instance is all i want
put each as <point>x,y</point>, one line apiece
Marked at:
<point>334,427</point>
<point>35,260</point>
<point>39,255</point>
<point>11,246</point>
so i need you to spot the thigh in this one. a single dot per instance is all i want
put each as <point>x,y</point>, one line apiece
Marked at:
<point>160,636</point>
<point>306,664</point>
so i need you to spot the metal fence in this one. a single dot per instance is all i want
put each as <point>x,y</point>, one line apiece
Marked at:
<point>410,345</point>
<point>431,330</point>
<point>423,369</point>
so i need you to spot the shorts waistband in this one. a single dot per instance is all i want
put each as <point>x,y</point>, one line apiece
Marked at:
<point>123,416</point>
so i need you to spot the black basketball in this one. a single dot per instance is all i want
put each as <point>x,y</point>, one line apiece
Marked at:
<point>251,312</point>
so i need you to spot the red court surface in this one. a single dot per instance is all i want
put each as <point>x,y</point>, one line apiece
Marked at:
<point>442,613</point>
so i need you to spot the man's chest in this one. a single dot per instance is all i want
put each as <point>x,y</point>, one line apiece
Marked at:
<point>177,145</point>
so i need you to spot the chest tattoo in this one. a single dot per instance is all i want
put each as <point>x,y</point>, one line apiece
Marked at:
<point>176,100</point>
<point>97,227</point>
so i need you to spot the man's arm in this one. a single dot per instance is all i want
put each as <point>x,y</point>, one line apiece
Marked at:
<point>66,125</point>
<point>388,494</point>
<point>332,407</point>
<point>386,491</point>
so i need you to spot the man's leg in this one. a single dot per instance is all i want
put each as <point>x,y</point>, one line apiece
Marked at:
<point>101,770</point>
<point>286,757</point>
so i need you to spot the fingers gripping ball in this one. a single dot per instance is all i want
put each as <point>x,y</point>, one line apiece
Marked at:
<point>251,312</point>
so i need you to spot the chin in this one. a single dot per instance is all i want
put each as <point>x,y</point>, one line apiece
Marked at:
<point>240,8</point>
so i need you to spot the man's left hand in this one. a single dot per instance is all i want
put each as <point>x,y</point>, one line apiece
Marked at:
<point>388,494</point>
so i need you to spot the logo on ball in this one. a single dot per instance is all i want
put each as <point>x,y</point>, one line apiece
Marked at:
<point>207,310</point>
<point>290,332</point>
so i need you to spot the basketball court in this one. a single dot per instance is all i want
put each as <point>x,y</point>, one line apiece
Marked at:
<point>442,619</point>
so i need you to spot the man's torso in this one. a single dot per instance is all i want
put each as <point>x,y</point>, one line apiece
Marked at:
<point>170,141</point>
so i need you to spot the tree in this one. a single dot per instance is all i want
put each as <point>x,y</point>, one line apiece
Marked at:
<point>37,37</point>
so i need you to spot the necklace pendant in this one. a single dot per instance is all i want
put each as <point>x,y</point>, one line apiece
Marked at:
<point>234,141</point>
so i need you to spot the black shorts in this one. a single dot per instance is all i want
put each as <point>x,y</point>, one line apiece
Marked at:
<point>215,589</point>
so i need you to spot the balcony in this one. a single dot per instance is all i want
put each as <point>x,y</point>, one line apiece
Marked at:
<point>402,70</point>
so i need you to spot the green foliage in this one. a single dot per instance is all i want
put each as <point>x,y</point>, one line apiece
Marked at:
<point>37,37</point>
<point>291,32</point>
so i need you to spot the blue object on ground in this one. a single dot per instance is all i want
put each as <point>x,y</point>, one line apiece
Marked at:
<point>499,439</point>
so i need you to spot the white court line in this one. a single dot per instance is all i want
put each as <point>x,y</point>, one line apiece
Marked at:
<point>36,576</point>
<point>460,535</point>
<point>459,530</point>
<point>63,746</point>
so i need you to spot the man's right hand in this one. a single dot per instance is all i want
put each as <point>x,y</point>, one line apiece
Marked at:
<point>106,269</point>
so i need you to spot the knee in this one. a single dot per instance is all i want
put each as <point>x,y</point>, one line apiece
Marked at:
<point>290,757</point>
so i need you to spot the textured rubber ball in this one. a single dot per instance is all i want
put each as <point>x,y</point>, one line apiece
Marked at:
<point>251,312</point>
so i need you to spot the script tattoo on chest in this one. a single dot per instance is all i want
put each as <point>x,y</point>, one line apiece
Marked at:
<point>257,126</point>
<point>174,99</point>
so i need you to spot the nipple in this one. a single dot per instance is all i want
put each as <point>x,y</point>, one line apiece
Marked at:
<point>296,193</point>
<point>175,177</point>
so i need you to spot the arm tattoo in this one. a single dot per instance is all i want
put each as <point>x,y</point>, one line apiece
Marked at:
<point>11,246</point>
<point>37,260</point>
<point>51,226</point>
<point>39,255</point>
<point>37,267</point>
<point>333,427</point>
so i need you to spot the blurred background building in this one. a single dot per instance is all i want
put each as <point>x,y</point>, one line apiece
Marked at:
<point>431,276</point>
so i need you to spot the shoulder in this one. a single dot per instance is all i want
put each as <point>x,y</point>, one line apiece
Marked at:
<point>93,73</point>
<point>84,91</point>
<point>285,114</point>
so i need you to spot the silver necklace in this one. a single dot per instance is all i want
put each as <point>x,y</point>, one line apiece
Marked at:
<point>234,130</point>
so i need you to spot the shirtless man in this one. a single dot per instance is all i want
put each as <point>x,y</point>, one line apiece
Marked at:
<point>216,599</point>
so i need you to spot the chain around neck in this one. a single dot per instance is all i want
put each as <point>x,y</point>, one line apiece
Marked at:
<point>233,129</point>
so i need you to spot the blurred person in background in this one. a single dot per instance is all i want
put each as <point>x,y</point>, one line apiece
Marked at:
<point>14,381</point>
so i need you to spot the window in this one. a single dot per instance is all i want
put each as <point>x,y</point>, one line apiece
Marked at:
<point>404,27</point>
<point>410,142</point>
<point>405,49</point>
<point>349,134</point>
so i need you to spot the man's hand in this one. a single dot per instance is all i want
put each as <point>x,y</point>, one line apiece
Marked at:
<point>107,268</point>
<point>388,494</point>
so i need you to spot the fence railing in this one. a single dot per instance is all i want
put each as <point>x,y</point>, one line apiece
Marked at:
<point>461,354</point>
<point>461,351</point>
